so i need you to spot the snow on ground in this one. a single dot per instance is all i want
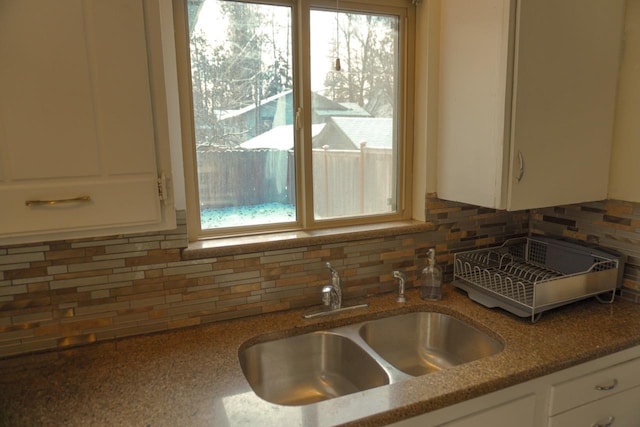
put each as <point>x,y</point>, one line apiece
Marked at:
<point>233,216</point>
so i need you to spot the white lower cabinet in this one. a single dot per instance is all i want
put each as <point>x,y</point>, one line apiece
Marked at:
<point>602,393</point>
<point>620,409</point>
<point>522,409</point>
<point>515,406</point>
<point>606,397</point>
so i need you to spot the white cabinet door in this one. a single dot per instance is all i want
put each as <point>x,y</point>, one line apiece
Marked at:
<point>77,135</point>
<point>473,113</point>
<point>522,409</point>
<point>494,412</point>
<point>527,100</point>
<point>625,173</point>
<point>566,73</point>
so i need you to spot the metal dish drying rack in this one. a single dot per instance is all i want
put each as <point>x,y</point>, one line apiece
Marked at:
<point>530,275</point>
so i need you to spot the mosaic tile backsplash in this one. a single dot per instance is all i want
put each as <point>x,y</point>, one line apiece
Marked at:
<point>66,293</point>
<point>610,224</point>
<point>60,294</point>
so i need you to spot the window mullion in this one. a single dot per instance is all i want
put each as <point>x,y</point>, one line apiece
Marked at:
<point>303,80</point>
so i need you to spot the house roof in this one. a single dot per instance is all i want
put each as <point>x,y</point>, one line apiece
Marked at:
<point>350,110</point>
<point>278,138</point>
<point>321,105</point>
<point>377,132</point>
<point>228,114</point>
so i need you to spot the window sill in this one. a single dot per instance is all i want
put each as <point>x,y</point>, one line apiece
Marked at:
<point>297,239</point>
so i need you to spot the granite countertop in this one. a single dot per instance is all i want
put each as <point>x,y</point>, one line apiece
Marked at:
<point>192,376</point>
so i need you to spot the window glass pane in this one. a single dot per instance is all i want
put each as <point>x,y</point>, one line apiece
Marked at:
<point>354,68</point>
<point>242,82</point>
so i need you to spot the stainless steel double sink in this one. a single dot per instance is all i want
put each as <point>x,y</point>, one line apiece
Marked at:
<point>321,365</point>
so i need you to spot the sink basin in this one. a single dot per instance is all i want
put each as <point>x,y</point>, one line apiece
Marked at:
<point>423,342</point>
<point>335,362</point>
<point>309,368</point>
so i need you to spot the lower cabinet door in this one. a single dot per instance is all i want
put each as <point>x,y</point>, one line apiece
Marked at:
<point>520,412</point>
<point>621,409</point>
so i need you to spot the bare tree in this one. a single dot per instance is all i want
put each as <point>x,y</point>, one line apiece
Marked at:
<point>368,46</point>
<point>243,70</point>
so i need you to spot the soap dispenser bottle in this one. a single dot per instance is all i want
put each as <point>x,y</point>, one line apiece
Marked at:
<point>431,288</point>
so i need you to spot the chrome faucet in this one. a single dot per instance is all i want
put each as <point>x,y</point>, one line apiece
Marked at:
<point>332,298</point>
<point>403,279</point>
<point>332,292</point>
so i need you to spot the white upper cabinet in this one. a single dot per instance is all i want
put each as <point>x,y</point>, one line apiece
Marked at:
<point>82,143</point>
<point>625,157</point>
<point>527,100</point>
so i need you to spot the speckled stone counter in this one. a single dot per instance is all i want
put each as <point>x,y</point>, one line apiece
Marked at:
<point>192,377</point>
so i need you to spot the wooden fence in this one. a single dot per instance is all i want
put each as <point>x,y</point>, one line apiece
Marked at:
<point>353,182</point>
<point>346,182</point>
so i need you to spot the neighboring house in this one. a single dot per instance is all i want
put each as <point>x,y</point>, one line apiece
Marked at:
<point>323,109</point>
<point>251,121</point>
<point>348,133</point>
<point>278,138</point>
<point>339,133</point>
<point>277,111</point>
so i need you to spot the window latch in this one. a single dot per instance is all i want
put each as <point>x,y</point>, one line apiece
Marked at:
<point>299,118</point>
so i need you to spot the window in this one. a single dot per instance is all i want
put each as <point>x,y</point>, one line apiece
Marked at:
<point>299,114</point>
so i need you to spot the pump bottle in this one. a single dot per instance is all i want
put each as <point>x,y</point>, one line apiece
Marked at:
<point>431,288</point>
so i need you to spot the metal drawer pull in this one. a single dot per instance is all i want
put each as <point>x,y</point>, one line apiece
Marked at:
<point>608,423</point>
<point>611,386</point>
<point>82,199</point>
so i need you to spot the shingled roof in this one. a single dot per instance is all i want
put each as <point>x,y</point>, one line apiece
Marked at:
<point>347,133</point>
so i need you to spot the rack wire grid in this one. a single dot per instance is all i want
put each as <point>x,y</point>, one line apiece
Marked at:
<point>513,271</point>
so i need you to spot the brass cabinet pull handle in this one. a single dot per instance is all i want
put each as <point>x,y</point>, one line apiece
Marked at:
<point>607,423</point>
<point>607,387</point>
<point>82,199</point>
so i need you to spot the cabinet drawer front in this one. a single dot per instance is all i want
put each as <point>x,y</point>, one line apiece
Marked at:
<point>617,410</point>
<point>110,203</point>
<point>594,386</point>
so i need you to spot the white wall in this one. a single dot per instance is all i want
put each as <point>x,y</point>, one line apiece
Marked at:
<point>426,103</point>
<point>624,181</point>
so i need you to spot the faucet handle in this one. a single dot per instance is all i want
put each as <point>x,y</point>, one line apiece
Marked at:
<point>399,275</point>
<point>335,276</point>
<point>331,269</point>
<point>403,279</point>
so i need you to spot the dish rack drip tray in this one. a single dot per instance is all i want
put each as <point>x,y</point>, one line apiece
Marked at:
<point>528,276</point>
